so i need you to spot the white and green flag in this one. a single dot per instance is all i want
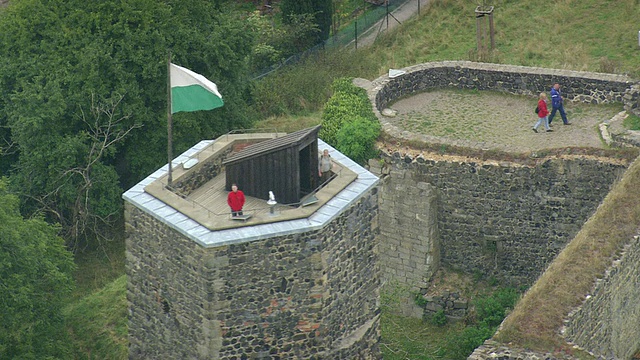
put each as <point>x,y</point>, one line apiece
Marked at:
<point>192,92</point>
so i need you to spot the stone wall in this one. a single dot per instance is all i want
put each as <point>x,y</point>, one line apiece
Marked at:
<point>450,303</point>
<point>410,250</point>
<point>504,220</point>
<point>165,290</point>
<point>310,296</point>
<point>607,323</point>
<point>632,100</point>
<point>203,172</point>
<point>595,88</point>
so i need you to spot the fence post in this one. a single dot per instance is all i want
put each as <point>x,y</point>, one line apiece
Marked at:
<point>356,33</point>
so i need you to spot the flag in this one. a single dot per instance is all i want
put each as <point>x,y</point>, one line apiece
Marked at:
<point>192,92</point>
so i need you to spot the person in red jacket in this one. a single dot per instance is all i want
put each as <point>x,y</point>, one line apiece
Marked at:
<point>235,199</point>
<point>542,113</point>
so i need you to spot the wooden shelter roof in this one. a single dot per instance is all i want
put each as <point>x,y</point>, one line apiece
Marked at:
<point>272,145</point>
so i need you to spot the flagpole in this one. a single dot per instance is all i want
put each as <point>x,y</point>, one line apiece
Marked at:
<point>169,121</point>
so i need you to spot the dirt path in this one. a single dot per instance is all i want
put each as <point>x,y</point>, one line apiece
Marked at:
<point>492,120</point>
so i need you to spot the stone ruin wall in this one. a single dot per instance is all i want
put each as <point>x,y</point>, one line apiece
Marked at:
<point>608,323</point>
<point>482,206</point>
<point>312,295</point>
<point>594,88</point>
<point>410,243</point>
<point>632,100</point>
<point>504,219</point>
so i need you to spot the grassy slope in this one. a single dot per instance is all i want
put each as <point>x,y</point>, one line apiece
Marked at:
<point>568,34</point>
<point>571,34</point>
<point>537,317</point>
<point>409,338</point>
<point>97,323</point>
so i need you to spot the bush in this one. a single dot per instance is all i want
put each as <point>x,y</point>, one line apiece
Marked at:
<point>356,139</point>
<point>438,318</point>
<point>345,85</point>
<point>342,107</point>
<point>348,121</point>
<point>492,309</point>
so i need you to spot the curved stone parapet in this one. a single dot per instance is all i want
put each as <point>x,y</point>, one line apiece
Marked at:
<point>586,87</point>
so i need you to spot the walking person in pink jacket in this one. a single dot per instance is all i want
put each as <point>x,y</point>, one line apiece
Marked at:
<point>542,113</point>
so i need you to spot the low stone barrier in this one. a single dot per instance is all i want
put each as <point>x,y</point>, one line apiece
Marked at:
<point>450,303</point>
<point>579,86</point>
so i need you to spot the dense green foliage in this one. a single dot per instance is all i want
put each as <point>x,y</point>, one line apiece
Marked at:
<point>35,269</point>
<point>321,10</point>
<point>490,310</point>
<point>274,42</point>
<point>357,138</point>
<point>347,102</point>
<point>83,86</point>
<point>348,122</point>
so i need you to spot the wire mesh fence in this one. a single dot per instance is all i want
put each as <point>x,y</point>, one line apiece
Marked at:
<point>369,19</point>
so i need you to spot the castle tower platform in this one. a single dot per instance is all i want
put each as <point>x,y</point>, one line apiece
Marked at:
<point>297,280</point>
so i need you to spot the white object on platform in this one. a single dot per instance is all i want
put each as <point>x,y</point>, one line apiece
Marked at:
<point>395,73</point>
<point>189,163</point>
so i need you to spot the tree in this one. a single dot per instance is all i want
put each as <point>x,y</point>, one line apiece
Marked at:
<point>35,269</point>
<point>79,191</point>
<point>62,59</point>
<point>322,11</point>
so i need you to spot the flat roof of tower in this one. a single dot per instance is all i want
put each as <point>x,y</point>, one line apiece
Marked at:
<point>203,215</point>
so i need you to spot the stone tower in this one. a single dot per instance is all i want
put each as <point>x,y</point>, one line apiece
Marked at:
<point>293,281</point>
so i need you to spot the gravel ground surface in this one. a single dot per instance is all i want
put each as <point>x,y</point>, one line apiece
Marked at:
<point>492,120</point>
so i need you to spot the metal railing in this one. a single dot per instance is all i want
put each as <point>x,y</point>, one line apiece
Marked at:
<point>254,211</point>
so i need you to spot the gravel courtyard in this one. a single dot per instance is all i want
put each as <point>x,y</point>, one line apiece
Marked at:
<point>492,120</point>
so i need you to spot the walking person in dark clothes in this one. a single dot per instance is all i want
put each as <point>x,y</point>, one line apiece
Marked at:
<point>556,104</point>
